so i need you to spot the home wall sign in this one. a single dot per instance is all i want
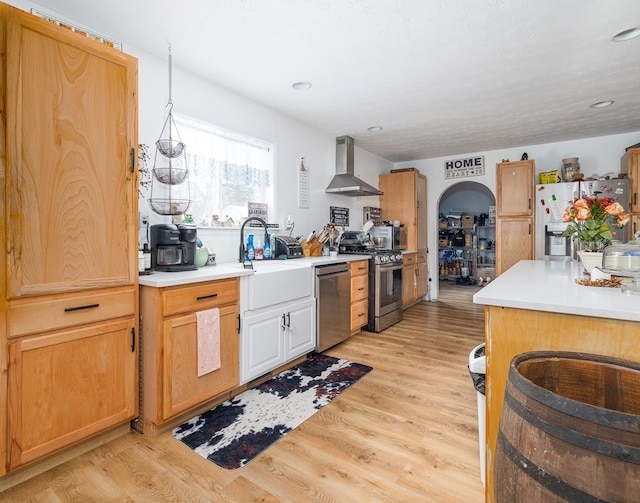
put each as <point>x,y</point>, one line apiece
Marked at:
<point>461,168</point>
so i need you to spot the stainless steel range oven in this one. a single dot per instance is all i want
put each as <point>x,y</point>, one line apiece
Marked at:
<point>385,290</point>
<point>385,280</point>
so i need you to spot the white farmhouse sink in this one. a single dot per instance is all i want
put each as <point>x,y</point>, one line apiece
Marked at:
<point>277,281</point>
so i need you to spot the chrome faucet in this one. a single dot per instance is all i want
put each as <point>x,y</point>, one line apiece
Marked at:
<point>266,235</point>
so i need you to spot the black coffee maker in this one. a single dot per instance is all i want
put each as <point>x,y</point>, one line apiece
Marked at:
<point>173,247</point>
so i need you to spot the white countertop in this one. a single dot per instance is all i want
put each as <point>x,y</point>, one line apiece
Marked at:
<point>550,286</point>
<point>225,270</point>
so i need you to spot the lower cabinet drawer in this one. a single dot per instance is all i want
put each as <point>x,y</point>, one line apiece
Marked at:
<point>52,312</point>
<point>359,313</point>
<point>359,288</point>
<point>199,296</point>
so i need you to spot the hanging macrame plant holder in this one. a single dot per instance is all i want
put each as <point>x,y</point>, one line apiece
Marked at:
<point>170,173</point>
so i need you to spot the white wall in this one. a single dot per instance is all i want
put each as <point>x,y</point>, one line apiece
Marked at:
<point>597,155</point>
<point>195,97</point>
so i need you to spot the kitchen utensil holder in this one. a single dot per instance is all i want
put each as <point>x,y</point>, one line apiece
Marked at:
<point>312,248</point>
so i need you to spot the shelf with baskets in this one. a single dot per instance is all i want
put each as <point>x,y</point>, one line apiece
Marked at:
<point>465,248</point>
<point>486,251</point>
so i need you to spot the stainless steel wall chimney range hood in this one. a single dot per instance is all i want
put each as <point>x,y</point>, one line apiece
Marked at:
<point>345,182</point>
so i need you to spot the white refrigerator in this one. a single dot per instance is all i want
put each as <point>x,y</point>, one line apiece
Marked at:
<point>550,202</point>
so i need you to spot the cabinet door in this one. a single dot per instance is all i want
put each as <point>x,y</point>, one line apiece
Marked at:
<point>69,385</point>
<point>421,208</point>
<point>183,389</point>
<point>515,182</point>
<point>300,335</point>
<point>71,115</point>
<point>408,284</point>
<point>632,158</point>
<point>261,343</point>
<point>422,280</point>
<point>514,242</point>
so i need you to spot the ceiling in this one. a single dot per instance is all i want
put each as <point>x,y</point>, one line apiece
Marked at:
<point>441,77</point>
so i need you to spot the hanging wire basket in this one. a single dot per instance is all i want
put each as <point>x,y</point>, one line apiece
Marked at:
<point>170,168</point>
<point>167,145</point>
<point>169,206</point>
<point>170,148</point>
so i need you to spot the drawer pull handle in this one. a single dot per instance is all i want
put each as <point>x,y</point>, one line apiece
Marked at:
<point>88,306</point>
<point>360,289</point>
<point>205,297</point>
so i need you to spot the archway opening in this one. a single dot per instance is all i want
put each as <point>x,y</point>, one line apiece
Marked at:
<point>466,235</point>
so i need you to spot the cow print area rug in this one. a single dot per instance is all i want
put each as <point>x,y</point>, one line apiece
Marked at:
<point>236,431</point>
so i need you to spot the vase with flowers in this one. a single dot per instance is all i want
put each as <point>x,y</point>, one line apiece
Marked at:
<point>590,221</point>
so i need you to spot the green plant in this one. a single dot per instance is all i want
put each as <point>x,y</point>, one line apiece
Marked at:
<point>144,178</point>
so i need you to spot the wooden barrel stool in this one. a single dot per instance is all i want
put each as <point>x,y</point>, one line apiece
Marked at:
<point>569,430</point>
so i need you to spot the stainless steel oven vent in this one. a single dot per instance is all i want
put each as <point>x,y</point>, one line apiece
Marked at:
<point>345,182</point>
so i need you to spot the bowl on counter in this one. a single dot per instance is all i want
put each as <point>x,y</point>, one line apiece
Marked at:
<point>379,242</point>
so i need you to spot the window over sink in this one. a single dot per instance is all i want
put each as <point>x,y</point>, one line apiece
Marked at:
<point>227,170</point>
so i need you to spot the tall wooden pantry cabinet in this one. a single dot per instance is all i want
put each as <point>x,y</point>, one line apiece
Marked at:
<point>514,213</point>
<point>68,337</point>
<point>405,198</point>
<point>630,164</point>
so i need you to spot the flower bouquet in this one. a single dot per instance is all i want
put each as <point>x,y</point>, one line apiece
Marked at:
<point>591,218</point>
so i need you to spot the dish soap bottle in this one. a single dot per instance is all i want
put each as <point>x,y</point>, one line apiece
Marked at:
<point>251,251</point>
<point>259,250</point>
<point>267,248</point>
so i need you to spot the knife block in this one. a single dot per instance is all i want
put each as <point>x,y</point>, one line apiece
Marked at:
<point>312,248</point>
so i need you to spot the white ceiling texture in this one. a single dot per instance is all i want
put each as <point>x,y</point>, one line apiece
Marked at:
<point>442,77</point>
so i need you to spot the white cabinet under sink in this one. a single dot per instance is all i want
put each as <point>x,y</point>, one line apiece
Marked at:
<point>278,317</point>
<point>272,337</point>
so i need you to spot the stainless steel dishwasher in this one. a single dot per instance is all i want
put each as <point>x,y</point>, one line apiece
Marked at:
<point>333,297</point>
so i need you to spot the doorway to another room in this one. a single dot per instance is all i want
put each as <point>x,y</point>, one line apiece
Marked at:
<point>466,237</point>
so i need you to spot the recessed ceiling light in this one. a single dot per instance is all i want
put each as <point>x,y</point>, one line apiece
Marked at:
<point>626,34</point>
<point>303,85</point>
<point>602,104</point>
<point>374,129</point>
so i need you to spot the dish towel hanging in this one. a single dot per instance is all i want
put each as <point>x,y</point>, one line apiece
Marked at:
<point>208,341</point>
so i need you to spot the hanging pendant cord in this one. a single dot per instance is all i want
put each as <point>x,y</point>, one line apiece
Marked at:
<point>170,103</point>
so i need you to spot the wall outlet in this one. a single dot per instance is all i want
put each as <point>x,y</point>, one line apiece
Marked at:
<point>143,220</point>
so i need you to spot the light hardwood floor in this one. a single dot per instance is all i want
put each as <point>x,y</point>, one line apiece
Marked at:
<point>406,432</point>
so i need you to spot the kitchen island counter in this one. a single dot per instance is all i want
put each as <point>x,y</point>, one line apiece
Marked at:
<point>550,286</point>
<point>537,306</point>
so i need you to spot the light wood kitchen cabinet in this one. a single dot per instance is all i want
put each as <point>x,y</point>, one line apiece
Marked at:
<point>69,385</point>
<point>405,199</point>
<point>515,188</point>
<point>415,278</point>
<point>514,213</point>
<point>630,164</point>
<point>171,385</point>
<point>359,294</point>
<point>422,275</point>
<point>409,283</point>
<point>69,231</point>
<point>514,242</point>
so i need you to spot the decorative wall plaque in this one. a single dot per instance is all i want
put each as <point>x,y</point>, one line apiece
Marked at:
<point>462,168</point>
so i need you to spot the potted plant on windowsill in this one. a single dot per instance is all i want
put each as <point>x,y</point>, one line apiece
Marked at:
<point>590,220</point>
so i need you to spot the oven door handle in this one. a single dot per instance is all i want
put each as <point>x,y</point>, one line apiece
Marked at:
<point>389,267</point>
